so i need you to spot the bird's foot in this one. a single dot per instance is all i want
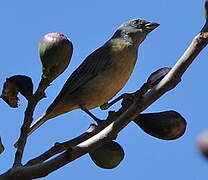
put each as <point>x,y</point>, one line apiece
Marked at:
<point>99,122</point>
<point>106,105</point>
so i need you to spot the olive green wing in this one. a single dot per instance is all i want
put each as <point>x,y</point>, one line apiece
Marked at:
<point>95,63</point>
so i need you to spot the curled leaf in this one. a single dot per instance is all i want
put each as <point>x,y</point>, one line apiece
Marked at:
<point>108,155</point>
<point>24,85</point>
<point>167,125</point>
<point>157,76</point>
<point>14,85</point>
<point>9,94</point>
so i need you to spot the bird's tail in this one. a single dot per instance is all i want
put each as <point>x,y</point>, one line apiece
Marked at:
<point>36,124</point>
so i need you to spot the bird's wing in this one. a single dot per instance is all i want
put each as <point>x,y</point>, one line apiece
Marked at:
<point>95,63</point>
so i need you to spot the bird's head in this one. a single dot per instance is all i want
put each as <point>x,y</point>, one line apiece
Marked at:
<point>136,30</point>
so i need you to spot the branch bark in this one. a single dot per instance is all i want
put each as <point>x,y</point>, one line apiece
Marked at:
<point>60,147</point>
<point>32,102</point>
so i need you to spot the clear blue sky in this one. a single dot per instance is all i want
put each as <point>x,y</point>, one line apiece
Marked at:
<point>89,24</point>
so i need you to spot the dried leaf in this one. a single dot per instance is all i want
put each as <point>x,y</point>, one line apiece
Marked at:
<point>9,94</point>
<point>13,86</point>
<point>24,85</point>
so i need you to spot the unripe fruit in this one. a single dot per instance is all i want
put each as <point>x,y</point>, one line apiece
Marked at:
<point>203,143</point>
<point>1,147</point>
<point>167,125</point>
<point>55,53</point>
<point>206,9</point>
<point>157,76</point>
<point>108,156</point>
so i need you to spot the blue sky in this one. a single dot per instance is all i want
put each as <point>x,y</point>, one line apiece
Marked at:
<point>89,24</point>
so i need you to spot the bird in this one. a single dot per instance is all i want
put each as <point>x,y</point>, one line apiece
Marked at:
<point>102,74</point>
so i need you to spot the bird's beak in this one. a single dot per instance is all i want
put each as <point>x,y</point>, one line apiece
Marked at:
<point>151,26</point>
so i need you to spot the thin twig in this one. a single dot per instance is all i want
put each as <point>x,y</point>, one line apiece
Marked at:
<point>39,94</point>
<point>60,147</point>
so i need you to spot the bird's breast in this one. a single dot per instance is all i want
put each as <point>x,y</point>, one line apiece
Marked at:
<point>110,81</point>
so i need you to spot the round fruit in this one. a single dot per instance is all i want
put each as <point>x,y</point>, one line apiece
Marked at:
<point>203,143</point>
<point>108,156</point>
<point>167,125</point>
<point>55,53</point>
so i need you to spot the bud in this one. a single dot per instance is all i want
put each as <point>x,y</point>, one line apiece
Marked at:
<point>1,147</point>
<point>203,143</point>
<point>157,76</point>
<point>167,125</point>
<point>108,155</point>
<point>206,9</point>
<point>55,53</point>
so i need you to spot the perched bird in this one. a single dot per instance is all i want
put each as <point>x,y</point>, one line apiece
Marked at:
<point>102,74</point>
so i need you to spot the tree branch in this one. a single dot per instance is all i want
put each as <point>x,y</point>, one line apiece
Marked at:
<point>60,147</point>
<point>32,102</point>
<point>92,130</point>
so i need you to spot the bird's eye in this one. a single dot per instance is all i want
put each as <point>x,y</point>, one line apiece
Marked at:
<point>136,22</point>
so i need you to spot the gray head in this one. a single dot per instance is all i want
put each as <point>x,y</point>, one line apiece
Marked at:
<point>135,30</point>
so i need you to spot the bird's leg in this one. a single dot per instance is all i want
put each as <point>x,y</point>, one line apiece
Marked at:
<point>131,96</point>
<point>107,105</point>
<point>97,120</point>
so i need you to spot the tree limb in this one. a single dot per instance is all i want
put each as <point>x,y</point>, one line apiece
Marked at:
<point>32,102</point>
<point>60,147</point>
